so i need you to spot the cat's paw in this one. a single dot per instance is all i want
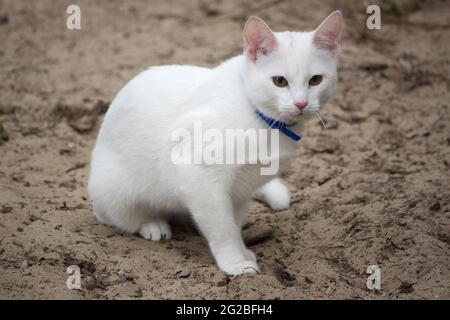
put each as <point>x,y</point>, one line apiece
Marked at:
<point>282,202</point>
<point>275,194</point>
<point>278,197</point>
<point>243,267</point>
<point>156,231</point>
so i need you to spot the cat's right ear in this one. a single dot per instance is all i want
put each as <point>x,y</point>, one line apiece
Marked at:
<point>258,38</point>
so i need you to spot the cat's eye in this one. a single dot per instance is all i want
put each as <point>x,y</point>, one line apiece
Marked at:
<point>280,81</point>
<point>315,80</point>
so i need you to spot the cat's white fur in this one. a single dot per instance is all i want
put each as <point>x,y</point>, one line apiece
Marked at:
<point>135,186</point>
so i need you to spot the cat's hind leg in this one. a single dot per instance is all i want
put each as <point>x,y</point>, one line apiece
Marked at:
<point>275,194</point>
<point>156,230</point>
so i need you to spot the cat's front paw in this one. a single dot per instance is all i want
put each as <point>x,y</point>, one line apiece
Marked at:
<point>281,203</point>
<point>275,194</point>
<point>243,267</point>
<point>278,198</point>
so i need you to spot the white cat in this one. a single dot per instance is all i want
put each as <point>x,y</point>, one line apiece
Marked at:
<point>135,186</point>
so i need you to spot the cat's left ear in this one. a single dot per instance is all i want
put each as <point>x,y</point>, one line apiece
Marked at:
<point>258,38</point>
<point>328,35</point>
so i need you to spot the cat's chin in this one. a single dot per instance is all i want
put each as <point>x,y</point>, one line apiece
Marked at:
<point>298,116</point>
<point>290,118</point>
<point>308,115</point>
<point>304,116</point>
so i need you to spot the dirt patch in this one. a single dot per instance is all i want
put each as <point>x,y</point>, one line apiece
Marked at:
<point>371,189</point>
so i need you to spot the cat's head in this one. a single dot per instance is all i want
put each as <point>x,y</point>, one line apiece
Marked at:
<point>291,74</point>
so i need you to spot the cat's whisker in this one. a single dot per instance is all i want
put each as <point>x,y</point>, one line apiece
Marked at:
<point>272,114</point>
<point>324,126</point>
<point>320,119</point>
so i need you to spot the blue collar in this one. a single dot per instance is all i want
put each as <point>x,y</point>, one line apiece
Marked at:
<point>276,124</point>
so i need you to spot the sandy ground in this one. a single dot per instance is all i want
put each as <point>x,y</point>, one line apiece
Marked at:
<point>372,189</point>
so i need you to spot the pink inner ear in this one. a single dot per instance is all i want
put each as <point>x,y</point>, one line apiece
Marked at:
<point>327,40</point>
<point>259,40</point>
<point>252,54</point>
<point>260,43</point>
<point>328,33</point>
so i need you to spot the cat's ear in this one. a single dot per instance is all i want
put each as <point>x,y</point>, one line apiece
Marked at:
<point>258,38</point>
<point>327,36</point>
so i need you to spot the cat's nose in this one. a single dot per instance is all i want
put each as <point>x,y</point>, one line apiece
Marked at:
<point>301,105</point>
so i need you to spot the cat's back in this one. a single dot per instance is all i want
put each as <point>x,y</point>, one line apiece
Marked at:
<point>159,86</point>
<point>175,75</point>
<point>169,81</point>
<point>156,93</point>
